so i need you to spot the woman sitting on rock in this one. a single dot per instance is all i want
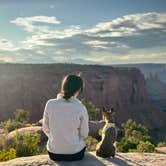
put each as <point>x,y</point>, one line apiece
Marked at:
<point>65,122</point>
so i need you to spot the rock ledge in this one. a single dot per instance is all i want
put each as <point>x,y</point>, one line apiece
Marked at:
<point>121,159</point>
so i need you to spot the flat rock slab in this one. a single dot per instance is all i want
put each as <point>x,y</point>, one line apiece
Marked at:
<point>121,159</point>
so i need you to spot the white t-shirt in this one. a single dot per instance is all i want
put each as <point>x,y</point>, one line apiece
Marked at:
<point>65,122</point>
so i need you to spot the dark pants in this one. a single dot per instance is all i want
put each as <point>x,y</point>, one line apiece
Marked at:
<point>67,157</point>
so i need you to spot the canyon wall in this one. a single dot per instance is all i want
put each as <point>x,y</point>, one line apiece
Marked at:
<point>27,86</point>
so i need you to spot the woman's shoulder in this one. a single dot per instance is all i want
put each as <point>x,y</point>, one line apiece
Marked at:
<point>51,101</point>
<point>79,102</point>
<point>54,100</point>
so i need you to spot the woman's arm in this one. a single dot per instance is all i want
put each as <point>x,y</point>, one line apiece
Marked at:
<point>45,124</point>
<point>84,124</point>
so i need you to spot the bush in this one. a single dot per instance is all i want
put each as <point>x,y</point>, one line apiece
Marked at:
<point>21,118</point>
<point>125,145</point>
<point>22,115</point>
<point>22,145</point>
<point>7,155</point>
<point>135,136</point>
<point>93,112</point>
<point>161,144</point>
<point>2,141</point>
<point>26,145</point>
<point>145,147</point>
<point>90,143</point>
<point>135,132</point>
<point>12,124</point>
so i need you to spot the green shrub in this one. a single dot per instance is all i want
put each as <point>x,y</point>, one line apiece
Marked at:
<point>7,155</point>
<point>135,132</point>
<point>90,143</point>
<point>125,145</point>
<point>12,124</point>
<point>93,112</point>
<point>26,145</point>
<point>135,136</point>
<point>28,125</point>
<point>132,150</point>
<point>161,144</point>
<point>22,115</point>
<point>145,147</point>
<point>21,119</point>
<point>2,141</point>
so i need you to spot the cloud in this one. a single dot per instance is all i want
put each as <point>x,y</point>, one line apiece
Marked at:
<point>28,23</point>
<point>97,44</point>
<point>43,19</point>
<point>119,40</point>
<point>129,25</point>
<point>6,45</point>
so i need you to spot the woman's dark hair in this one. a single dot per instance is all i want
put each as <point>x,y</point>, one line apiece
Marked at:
<point>70,85</point>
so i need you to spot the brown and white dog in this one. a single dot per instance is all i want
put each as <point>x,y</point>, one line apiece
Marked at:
<point>105,147</point>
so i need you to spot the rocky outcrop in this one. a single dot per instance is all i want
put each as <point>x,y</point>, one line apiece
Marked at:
<point>121,159</point>
<point>26,130</point>
<point>94,127</point>
<point>30,86</point>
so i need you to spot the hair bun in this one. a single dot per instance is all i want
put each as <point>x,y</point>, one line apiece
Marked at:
<point>67,95</point>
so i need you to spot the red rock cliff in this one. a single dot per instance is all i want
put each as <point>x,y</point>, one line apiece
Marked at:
<point>30,86</point>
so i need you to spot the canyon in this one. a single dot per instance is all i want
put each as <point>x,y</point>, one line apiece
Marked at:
<point>29,86</point>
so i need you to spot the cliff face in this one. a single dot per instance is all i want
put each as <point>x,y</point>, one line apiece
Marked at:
<point>30,86</point>
<point>157,91</point>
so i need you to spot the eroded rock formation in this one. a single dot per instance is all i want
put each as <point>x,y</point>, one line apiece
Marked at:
<point>30,86</point>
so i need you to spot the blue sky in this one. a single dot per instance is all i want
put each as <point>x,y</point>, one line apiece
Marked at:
<point>83,31</point>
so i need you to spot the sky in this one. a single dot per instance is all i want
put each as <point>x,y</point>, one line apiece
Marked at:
<point>83,31</point>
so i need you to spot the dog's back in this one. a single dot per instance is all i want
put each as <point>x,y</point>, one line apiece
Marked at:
<point>105,148</point>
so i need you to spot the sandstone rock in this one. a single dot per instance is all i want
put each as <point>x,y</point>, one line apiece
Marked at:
<point>121,159</point>
<point>27,130</point>
<point>94,127</point>
<point>161,149</point>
